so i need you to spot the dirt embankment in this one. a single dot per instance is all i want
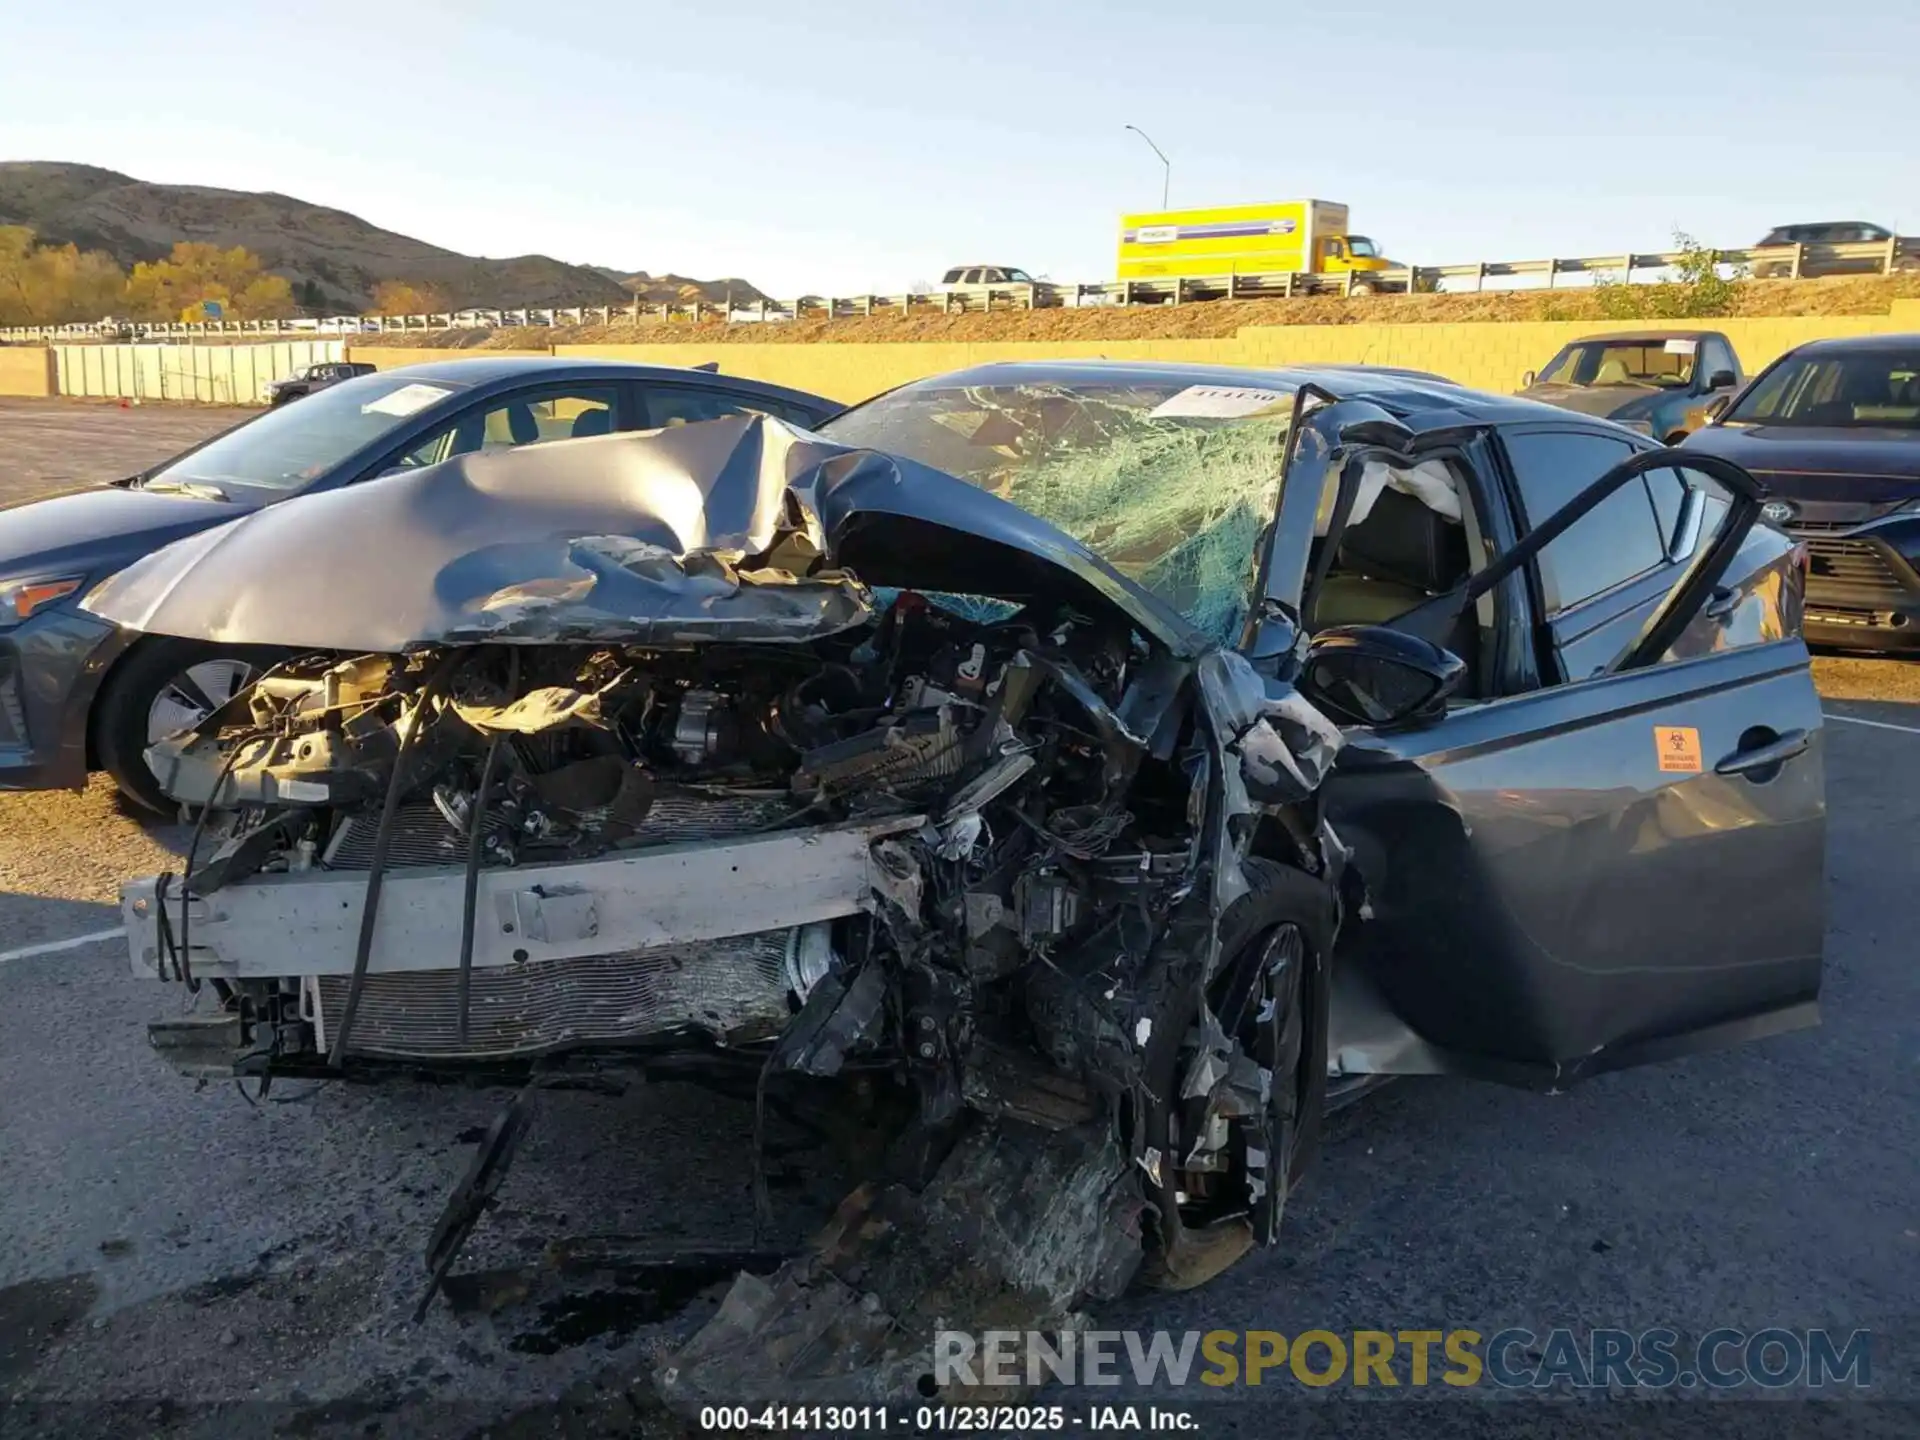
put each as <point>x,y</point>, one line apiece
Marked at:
<point>1200,320</point>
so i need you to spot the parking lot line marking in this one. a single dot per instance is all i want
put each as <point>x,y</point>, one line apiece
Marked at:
<point>51,947</point>
<point>1875,724</point>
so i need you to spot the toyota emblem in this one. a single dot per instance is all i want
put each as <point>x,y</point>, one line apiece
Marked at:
<point>1778,512</point>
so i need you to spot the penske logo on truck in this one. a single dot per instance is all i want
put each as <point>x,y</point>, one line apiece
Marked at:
<point>1169,234</point>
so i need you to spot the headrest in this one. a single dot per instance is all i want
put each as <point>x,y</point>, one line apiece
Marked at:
<point>1404,541</point>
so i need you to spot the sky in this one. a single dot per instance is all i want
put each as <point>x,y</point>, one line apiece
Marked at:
<point>848,147</point>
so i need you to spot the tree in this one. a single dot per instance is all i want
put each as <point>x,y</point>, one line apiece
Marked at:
<point>196,272</point>
<point>52,284</point>
<point>410,297</point>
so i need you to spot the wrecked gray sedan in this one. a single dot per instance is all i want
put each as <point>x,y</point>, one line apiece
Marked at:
<point>1189,748</point>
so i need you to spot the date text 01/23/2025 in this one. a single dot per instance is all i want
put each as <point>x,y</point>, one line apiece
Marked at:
<point>943,1419</point>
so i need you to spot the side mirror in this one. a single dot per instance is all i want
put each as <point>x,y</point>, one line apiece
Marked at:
<point>1371,675</point>
<point>1718,407</point>
<point>1526,380</point>
<point>1722,380</point>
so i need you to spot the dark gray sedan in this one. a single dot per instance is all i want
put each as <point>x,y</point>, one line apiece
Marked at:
<point>1632,730</point>
<point>1121,758</point>
<point>75,694</point>
<point>1832,429</point>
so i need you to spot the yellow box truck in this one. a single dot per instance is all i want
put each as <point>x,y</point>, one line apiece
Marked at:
<point>1301,236</point>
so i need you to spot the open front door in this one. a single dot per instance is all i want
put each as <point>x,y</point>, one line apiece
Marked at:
<point>1597,873</point>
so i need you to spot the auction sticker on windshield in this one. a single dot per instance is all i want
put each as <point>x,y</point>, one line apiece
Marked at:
<point>1216,402</point>
<point>407,400</point>
<point>1682,346</point>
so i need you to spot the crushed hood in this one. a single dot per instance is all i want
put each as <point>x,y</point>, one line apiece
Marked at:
<point>742,528</point>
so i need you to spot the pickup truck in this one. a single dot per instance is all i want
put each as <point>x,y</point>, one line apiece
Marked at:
<point>309,378</point>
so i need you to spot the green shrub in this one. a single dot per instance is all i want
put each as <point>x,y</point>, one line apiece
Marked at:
<point>1698,289</point>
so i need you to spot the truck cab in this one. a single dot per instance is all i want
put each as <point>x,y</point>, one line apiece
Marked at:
<point>1348,252</point>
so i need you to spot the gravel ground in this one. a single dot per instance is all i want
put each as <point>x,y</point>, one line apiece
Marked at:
<point>165,1248</point>
<point>54,444</point>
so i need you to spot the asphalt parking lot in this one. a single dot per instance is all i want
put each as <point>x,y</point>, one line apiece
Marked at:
<point>166,1247</point>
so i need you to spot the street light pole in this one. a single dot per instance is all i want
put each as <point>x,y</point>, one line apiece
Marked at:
<point>1166,165</point>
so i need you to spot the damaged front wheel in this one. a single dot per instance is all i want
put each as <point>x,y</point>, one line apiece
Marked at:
<point>1237,1087</point>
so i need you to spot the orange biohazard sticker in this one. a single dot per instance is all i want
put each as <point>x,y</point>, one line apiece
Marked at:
<point>1678,747</point>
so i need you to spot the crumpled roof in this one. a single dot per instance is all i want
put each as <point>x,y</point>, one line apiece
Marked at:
<point>729,529</point>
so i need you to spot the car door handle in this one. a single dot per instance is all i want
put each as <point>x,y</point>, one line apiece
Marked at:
<point>1762,757</point>
<point>1721,604</point>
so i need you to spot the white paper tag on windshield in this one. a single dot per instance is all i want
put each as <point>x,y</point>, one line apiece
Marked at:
<point>1682,347</point>
<point>407,400</point>
<point>1216,402</point>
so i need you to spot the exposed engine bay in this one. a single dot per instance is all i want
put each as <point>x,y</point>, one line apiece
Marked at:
<point>1012,840</point>
<point>1064,883</point>
<point>1011,811</point>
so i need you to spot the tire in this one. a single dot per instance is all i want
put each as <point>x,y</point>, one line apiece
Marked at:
<point>1289,916</point>
<point>1361,289</point>
<point>158,688</point>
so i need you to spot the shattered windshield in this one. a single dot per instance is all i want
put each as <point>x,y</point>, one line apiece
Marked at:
<point>1170,483</point>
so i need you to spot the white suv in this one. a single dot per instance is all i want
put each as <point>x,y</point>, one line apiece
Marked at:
<point>970,279</point>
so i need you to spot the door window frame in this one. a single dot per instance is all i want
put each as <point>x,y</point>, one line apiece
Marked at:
<point>1632,446</point>
<point>1274,624</point>
<point>624,403</point>
<point>770,406</point>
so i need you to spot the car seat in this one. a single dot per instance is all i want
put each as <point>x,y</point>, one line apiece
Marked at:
<point>1860,387</point>
<point>521,424</point>
<point>1613,372</point>
<point>1402,555</point>
<point>592,422</point>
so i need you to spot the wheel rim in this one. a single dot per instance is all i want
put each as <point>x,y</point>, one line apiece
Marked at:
<point>194,694</point>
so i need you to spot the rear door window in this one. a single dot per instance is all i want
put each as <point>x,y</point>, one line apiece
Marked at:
<point>1617,540</point>
<point>536,419</point>
<point>507,422</point>
<point>689,404</point>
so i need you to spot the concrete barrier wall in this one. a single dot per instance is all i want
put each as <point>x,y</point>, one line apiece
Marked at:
<point>854,372</point>
<point>1488,356</point>
<point>27,370</point>
<point>209,374</point>
<point>1497,356</point>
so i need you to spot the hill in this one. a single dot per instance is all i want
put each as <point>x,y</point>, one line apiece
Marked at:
<point>671,289</point>
<point>333,259</point>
